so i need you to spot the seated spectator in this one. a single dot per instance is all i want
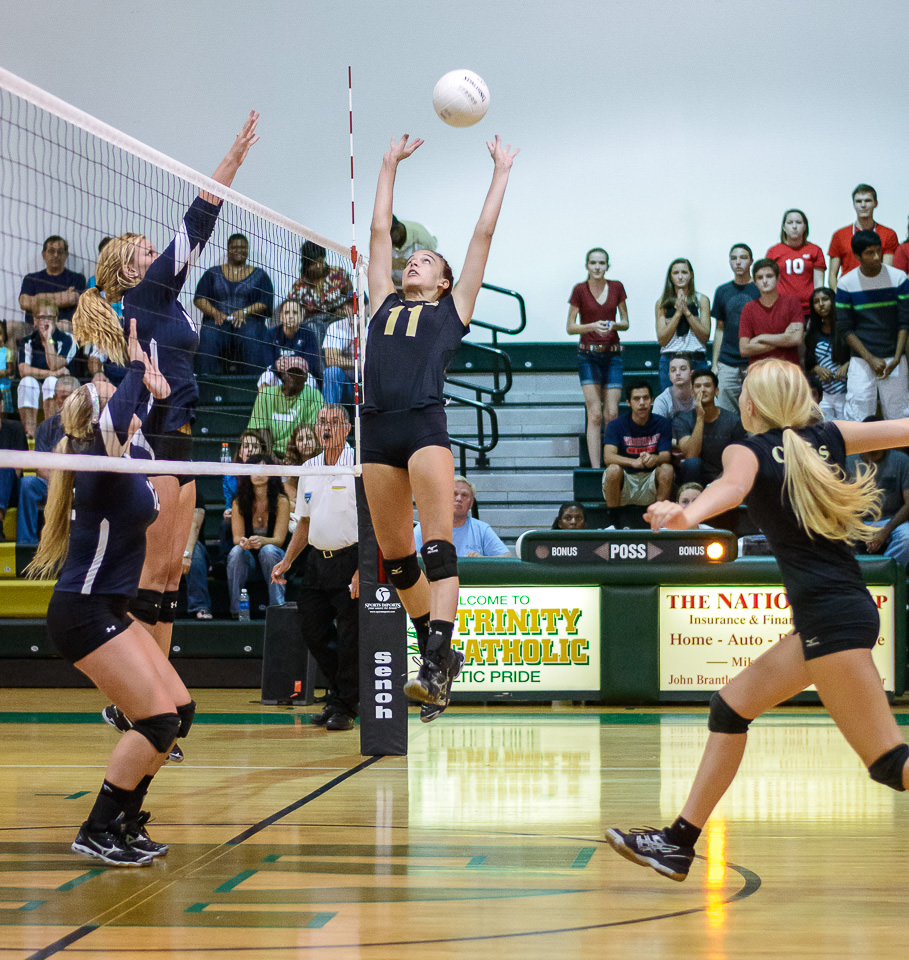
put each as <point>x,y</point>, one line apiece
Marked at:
<point>43,356</point>
<point>321,290</point>
<point>280,409</point>
<point>303,445</point>
<point>195,566</point>
<point>677,397</point>
<point>407,236</point>
<point>688,493</point>
<point>235,300</point>
<point>253,443</point>
<point>636,452</point>
<point>33,489</point>
<point>12,437</point>
<point>773,325</point>
<point>54,284</point>
<point>338,349</point>
<point>682,319</point>
<point>823,358</point>
<point>570,517</point>
<point>891,475</point>
<point>7,368</point>
<point>291,344</point>
<point>259,518</point>
<point>471,537</point>
<point>705,432</point>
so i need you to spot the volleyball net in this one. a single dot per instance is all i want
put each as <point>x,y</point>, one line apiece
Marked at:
<point>277,306</point>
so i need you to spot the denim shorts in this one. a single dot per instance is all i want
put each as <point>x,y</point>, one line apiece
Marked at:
<point>603,369</point>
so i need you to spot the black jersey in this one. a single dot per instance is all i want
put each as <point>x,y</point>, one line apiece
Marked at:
<point>822,577</point>
<point>111,511</point>
<point>409,344</point>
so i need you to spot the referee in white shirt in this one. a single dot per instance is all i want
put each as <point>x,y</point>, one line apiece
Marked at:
<point>327,508</point>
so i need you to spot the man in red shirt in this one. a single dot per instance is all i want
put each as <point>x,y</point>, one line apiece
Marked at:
<point>773,325</point>
<point>842,259</point>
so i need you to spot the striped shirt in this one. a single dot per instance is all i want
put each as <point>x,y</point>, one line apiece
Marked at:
<point>875,309</point>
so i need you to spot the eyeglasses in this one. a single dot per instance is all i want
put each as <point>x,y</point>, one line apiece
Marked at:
<point>45,316</point>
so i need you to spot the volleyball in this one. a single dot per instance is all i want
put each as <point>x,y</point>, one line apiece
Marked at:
<point>461,98</point>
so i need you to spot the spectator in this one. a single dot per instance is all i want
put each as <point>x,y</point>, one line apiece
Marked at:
<point>407,237</point>
<point>259,518</point>
<point>7,368</point>
<point>705,432</point>
<point>773,325</point>
<point>235,300</point>
<point>728,364</point>
<point>682,319</point>
<point>280,409</point>
<point>304,444</point>
<point>33,489</point>
<point>338,348</point>
<point>901,257</point>
<point>842,256</point>
<point>195,565</point>
<point>801,263</point>
<point>636,452</point>
<point>594,305</point>
<point>321,290</point>
<point>54,284</point>
<point>253,443</point>
<point>571,516</point>
<point>872,313</point>
<point>688,493</point>
<point>12,437</point>
<point>823,359</point>
<point>43,356</point>
<point>291,344</point>
<point>471,537</point>
<point>678,396</point>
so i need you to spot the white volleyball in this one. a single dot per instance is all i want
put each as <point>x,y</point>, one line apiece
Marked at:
<point>461,98</point>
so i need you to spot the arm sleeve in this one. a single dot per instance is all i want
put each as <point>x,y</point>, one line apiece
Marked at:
<point>492,544</point>
<point>902,303</point>
<point>67,348</point>
<point>204,288</point>
<point>682,425</point>
<point>845,316</point>
<point>664,444</point>
<point>228,490</point>
<point>129,399</point>
<point>266,291</point>
<point>746,325</point>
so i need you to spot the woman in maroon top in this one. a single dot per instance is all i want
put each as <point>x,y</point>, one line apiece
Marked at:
<point>592,314</point>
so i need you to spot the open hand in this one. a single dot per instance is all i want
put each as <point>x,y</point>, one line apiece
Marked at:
<point>503,155</point>
<point>402,149</point>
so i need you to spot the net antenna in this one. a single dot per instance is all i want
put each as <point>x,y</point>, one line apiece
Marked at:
<point>65,172</point>
<point>359,267</point>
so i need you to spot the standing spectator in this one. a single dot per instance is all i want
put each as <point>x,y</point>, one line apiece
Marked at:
<point>571,516</point>
<point>292,345</point>
<point>280,409</point>
<point>235,300</point>
<point>682,319</point>
<point>636,453</point>
<point>594,305</point>
<point>842,256</point>
<point>678,396</point>
<point>7,368</point>
<point>891,476</point>
<point>801,263</point>
<point>472,537</point>
<point>43,356</point>
<point>772,325</point>
<point>822,354</point>
<point>728,364</point>
<point>872,312</point>
<point>33,489</point>
<point>901,257</point>
<point>407,236</point>
<point>339,349</point>
<point>705,432</point>
<point>331,578</point>
<point>259,518</point>
<point>12,437</point>
<point>54,284</point>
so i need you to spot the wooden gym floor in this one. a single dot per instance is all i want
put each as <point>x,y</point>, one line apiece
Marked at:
<point>485,842</point>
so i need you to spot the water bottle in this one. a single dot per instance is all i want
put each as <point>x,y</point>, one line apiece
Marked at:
<point>244,606</point>
<point>225,453</point>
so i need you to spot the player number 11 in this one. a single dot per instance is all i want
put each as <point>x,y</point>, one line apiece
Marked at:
<point>412,320</point>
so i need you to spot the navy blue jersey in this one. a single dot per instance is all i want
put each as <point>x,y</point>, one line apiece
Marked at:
<point>34,284</point>
<point>111,511</point>
<point>822,577</point>
<point>165,329</point>
<point>409,344</point>
<point>33,352</point>
<point>304,343</point>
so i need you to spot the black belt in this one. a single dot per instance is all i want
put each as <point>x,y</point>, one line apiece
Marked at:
<point>328,554</point>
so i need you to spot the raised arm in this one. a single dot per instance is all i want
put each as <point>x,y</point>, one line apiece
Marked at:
<point>468,286</point>
<point>379,275</point>
<point>228,167</point>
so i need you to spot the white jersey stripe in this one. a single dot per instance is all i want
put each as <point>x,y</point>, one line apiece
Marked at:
<point>103,534</point>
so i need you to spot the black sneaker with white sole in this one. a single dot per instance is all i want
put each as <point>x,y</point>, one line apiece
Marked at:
<point>431,711</point>
<point>648,847</point>
<point>136,837</point>
<point>432,684</point>
<point>108,846</point>
<point>116,718</point>
<point>175,756</point>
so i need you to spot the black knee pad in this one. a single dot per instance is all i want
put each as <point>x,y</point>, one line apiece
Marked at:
<point>723,719</point>
<point>186,712</point>
<point>888,769</point>
<point>441,559</point>
<point>168,606</point>
<point>402,573</point>
<point>160,730</point>
<point>146,606</point>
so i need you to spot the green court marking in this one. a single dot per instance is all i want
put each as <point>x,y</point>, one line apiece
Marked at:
<point>272,858</point>
<point>196,908</point>
<point>319,920</point>
<point>235,881</point>
<point>476,861</point>
<point>32,904</point>
<point>583,857</point>
<point>75,796</point>
<point>72,884</point>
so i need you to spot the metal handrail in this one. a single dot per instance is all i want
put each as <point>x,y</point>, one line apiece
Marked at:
<point>481,446</point>
<point>500,366</point>
<point>498,328</point>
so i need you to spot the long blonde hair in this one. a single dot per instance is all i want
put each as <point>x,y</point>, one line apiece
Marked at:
<point>95,321</point>
<point>78,415</point>
<point>825,502</point>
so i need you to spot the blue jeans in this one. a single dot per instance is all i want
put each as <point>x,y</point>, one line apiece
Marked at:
<point>32,496</point>
<point>337,385</point>
<point>249,346</point>
<point>197,595</point>
<point>243,565</point>
<point>897,545</point>
<point>9,486</point>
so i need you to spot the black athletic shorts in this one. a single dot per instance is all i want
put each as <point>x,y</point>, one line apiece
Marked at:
<point>857,627</point>
<point>393,438</point>
<point>175,445</point>
<point>80,623</point>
